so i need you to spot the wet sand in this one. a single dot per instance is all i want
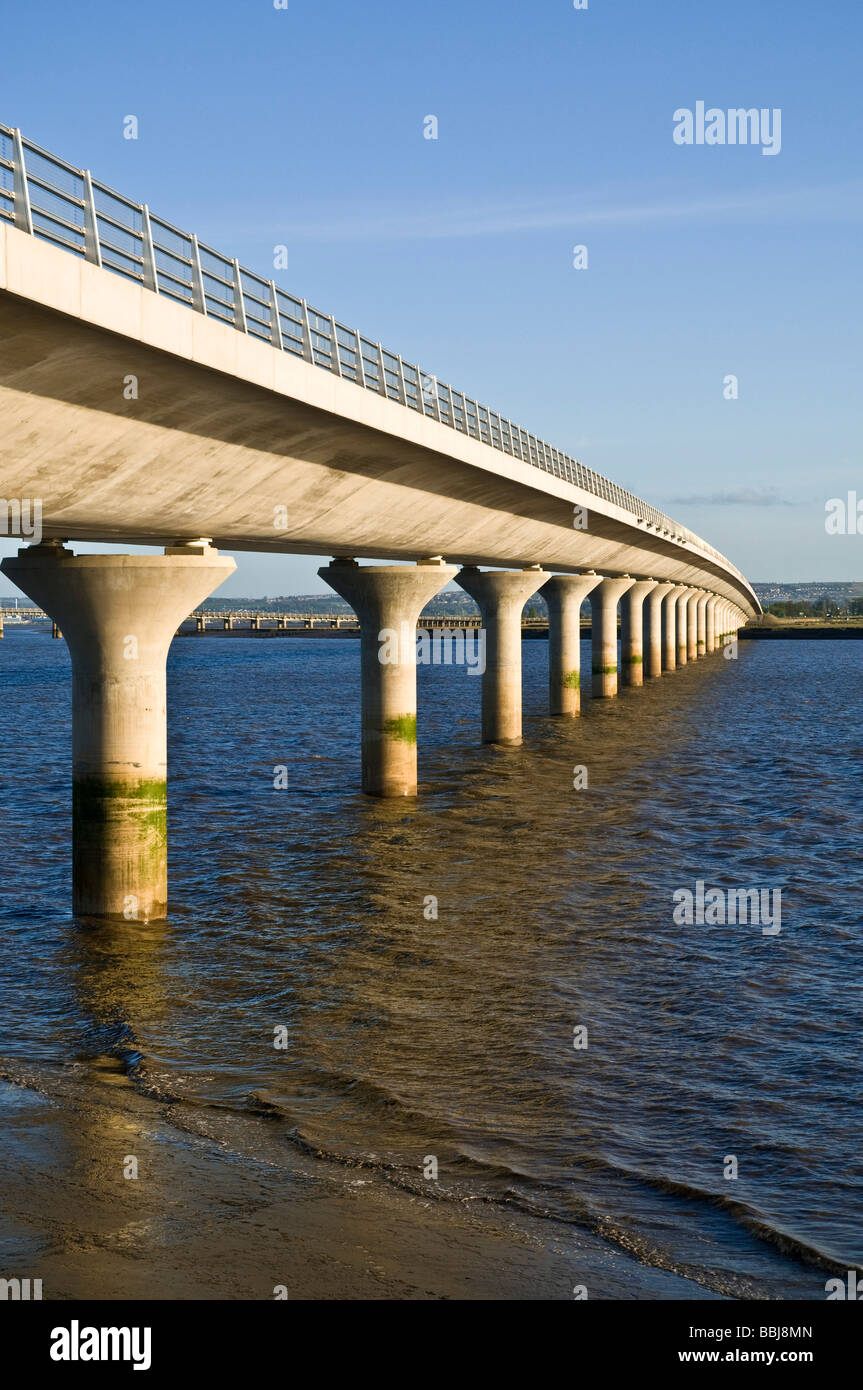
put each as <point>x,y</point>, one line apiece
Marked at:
<point>205,1219</point>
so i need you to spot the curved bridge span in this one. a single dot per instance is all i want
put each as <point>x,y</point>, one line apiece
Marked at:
<point>152,391</point>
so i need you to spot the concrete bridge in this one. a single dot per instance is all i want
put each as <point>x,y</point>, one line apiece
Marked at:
<point>153,391</point>
<point>209,622</point>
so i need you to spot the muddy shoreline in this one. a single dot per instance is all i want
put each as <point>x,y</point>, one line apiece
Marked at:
<point>206,1220</point>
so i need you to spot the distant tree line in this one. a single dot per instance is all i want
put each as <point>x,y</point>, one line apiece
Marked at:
<point>819,608</point>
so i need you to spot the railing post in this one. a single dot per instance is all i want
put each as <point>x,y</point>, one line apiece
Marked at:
<point>403,395</point>
<point>239,305</point>
<point>148,252</point>
<point>361,366</point>
<point>275,321</point>
<point>336,364</point>
<point>198,299</point>
<point>308,355</point>
<point>382,373</point>
<point>92,249</point>
<point>20,191</point>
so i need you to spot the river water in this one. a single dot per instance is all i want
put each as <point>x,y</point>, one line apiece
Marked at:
<point>408,1037</point>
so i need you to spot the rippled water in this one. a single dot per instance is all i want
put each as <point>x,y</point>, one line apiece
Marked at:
<point>454,1038</point>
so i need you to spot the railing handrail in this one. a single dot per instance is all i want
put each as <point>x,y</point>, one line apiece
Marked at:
<point>163,258</point>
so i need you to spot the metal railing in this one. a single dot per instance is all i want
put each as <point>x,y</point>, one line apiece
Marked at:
<point>50,199</point>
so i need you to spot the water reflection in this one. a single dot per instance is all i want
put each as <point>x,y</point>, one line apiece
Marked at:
<point>412,1035</point>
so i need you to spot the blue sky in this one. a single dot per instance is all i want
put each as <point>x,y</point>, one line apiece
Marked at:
<point>304,127</point>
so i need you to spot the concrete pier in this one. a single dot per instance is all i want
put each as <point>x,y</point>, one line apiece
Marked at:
<point>692,626</point>
<point>501,596</point>
<point>603,602</point>
<point>701,624</point>
<point>118,614</point>
<point>388,600</point>
<point>653,609</point>
<point>683,598</point>
<point>710,622</point>
<point>632,631</point>
<point>669,628</point>
<point>564,595</point>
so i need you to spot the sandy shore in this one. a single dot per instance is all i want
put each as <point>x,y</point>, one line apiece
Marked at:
<point>207,1219</point>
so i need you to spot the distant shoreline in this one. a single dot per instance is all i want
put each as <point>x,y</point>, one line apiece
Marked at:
<point>785,633</point>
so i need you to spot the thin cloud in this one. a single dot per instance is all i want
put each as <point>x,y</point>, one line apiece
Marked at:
<point>844,201</point>
<point>734,497</point>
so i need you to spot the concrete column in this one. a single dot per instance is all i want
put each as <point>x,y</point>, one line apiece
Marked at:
<point>710,622</point>
<point>632,631</point>
<point>603,604</point>
<point>653,606</point>
<point>701,624</point>
<point>118,614</point>
<point>388,600</point>
<point>692,626</point>
<point>669,627</point>
<point>683,598</point>
<point>564,595</point>
<point>501,596</point>
<point>730,623</point>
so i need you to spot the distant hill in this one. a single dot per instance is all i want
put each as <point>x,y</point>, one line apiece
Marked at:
<point>841,591</point>
<point>453,602</point>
